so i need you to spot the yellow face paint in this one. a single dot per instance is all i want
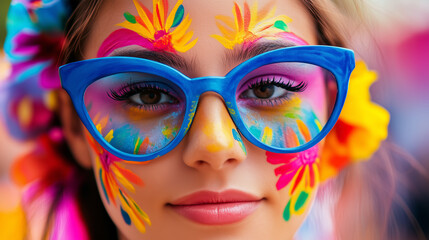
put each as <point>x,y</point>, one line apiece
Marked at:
<point>155,30</point>
<point>117,183</point>
<point>267,136</point>
<point>250,24</point>
<point>219,135</point>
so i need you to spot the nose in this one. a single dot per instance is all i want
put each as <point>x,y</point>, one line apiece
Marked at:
<point>213,141</point>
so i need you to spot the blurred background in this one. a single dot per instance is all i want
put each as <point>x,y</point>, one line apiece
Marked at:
<point>397,47</point>
<point>4,4</point>
<point>9,147</point>
<point>5,156</point>
<point>392,36</point>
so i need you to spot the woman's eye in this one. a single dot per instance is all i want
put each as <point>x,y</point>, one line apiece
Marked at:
<point>150,97</point>
<point>264,91</point>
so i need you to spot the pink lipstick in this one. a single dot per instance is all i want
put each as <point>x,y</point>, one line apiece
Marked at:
<point>216,208</point>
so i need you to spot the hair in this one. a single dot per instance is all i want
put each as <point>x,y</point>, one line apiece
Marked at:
<point>357,218</point>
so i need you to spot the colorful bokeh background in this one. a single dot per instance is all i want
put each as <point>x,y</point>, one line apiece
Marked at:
<point>6,155</point>
<point>392,36</point>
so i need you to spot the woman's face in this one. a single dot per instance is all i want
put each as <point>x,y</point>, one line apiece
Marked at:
<point>214,184</point>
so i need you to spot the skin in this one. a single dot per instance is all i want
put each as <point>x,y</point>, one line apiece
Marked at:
<point>202,161</point>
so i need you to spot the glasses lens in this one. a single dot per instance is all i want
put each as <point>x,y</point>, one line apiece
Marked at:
<point>136,113</point>
<point>285,105</point>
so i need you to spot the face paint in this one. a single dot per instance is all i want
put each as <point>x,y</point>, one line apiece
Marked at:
<point>276,121</point>
<point>116,181</point>
<point>157,31</point>
<point>220,133</point>
<point>251,24</point>
<point>238,138</point>
<point>290,127</point>
<point>138,127</point>
<point>301,171</point>
<point>267,136</point>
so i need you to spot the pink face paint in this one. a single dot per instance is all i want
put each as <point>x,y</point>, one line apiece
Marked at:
<point>301,172</point>
<point>153,31</point>
<point>295,125</point>
<point>123,38</point>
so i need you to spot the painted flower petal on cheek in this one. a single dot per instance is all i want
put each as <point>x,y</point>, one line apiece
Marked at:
<point>301,172</point>
<point>250,24</point>
<point>116,181</point>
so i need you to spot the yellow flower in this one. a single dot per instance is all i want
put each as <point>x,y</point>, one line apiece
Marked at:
<point>361,127</point>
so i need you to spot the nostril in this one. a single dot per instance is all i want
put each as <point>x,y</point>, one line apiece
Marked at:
<point>200,163</point>
<point>229,161</point>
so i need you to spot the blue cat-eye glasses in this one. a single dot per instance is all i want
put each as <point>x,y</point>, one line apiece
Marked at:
<point>282,101</point>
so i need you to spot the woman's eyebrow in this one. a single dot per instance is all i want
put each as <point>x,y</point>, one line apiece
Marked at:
<point>167,58</point>
<point>242,53</point>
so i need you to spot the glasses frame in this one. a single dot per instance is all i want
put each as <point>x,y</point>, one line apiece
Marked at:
<point>77,76</point>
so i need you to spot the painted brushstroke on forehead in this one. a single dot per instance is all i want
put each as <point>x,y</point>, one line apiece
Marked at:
<point>251,24</point>
<point>155,31</point>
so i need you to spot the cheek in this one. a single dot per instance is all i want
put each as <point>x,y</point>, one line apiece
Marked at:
<point>291,127</point>
<point>117,184</point>
<point>299,171</point>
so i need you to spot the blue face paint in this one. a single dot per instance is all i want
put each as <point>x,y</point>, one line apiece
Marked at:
<point>238,138</point>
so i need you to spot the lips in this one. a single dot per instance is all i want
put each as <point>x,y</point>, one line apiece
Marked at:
<point>216,208</point>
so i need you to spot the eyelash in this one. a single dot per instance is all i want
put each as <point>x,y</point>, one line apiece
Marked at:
<point>130,89</point>
<point>287,86</point>
<point>275,82</point>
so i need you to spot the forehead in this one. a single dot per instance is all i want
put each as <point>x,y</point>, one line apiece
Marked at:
<point>203,15</point>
